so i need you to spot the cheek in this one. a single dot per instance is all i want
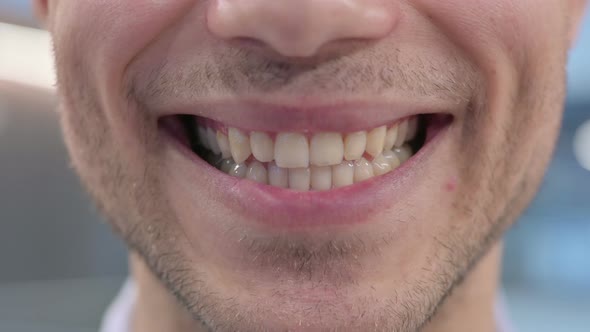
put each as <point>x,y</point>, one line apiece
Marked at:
<point>94,43</point>
<point>493,31</point>
<point>103,37</point>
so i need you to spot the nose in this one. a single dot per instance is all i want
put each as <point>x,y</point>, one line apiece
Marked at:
<point>300,28</point>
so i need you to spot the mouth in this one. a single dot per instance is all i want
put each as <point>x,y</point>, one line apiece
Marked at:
<point>305,161</point>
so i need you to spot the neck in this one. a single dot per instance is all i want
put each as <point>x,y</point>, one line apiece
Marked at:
<point>471,306</point>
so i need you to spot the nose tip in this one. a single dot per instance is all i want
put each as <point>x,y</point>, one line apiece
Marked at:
<point>299,28</point>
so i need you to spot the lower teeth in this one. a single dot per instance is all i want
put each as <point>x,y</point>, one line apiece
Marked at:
<point>314,177</point>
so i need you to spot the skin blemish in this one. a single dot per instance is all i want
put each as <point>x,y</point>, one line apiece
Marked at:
<point>451,185</point>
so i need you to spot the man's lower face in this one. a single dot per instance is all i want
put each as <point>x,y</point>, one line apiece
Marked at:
<point>350,194</point>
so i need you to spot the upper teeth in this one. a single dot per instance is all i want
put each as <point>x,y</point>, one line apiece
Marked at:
<point>239,145</point>
<point>291,150</point>
<point>323,161</point>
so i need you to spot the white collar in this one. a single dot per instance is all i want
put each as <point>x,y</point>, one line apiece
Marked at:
<point>117,318</point>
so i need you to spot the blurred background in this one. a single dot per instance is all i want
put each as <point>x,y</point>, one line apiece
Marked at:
<point>60,266</point>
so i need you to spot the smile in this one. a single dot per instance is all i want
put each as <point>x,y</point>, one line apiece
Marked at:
<point>303,161</point>
<point>299,167</point>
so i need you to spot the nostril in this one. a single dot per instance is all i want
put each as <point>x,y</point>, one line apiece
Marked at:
<point>301,28</point>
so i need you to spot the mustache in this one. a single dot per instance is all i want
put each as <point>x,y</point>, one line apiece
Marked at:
<point>238,72</point>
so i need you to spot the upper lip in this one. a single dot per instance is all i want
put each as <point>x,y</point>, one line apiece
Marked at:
<point>307,116</point>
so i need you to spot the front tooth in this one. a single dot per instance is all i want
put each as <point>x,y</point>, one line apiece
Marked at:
<point>376,140</point>
<point>381,165</point>
<point>392,159</point>
<point>343,174</point>
<point>390,138</point>
<point>326,149</point>
<point>240,145</point>
<point>239,170</point>
<point>212,138</point>
<point>278,176</point>
<point>412,128</point>
<point>291,150</point>
<point>321,178</point>
<point>401,133</point>
<point>355,145</point>
<point>203,138</point>
<point>262,146</point>
<point>363,170</point>
<point>403,153</point>
<point>257,172</point>
<point>299,178</point>
<point>223,143</point>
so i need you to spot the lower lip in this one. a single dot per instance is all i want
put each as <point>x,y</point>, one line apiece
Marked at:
<point>283,209</point>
